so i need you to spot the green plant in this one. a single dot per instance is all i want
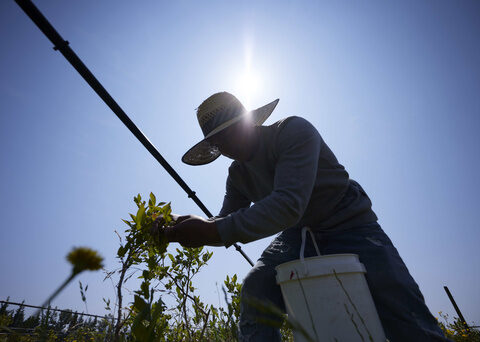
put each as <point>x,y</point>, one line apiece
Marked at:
<point>83,294</point>
<point>456,330</point>
<point>145,251</point>
<point>141,247</point>
<point>223,322</point>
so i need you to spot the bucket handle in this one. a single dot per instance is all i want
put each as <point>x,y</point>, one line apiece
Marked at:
<point>302,248</point>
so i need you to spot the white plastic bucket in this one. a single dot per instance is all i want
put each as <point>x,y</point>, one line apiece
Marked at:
<point>329,298</point>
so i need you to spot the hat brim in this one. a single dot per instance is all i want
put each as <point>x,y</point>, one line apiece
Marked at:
<point>203,152</point>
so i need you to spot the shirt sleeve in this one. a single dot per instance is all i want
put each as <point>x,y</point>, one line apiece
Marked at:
<point>297,148</point>
<point>233,200</point>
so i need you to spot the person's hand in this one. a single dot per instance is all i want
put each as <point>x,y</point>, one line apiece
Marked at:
<point>193,231</point>
<point>160,221</point>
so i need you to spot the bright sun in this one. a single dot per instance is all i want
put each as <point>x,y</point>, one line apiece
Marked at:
<point>247,87</point>
<point>247,82</point>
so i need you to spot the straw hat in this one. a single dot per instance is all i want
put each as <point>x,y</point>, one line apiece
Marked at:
<point>216,113</point>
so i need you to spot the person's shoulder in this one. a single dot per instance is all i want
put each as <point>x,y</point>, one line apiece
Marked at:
<point>234,168</point>
<point>293,125</point>
<point>292,131</point>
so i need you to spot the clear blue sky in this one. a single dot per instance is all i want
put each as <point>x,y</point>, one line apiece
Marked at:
<point>393,88</point>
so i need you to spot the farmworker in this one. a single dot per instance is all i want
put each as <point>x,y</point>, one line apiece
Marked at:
<point>294,180</point>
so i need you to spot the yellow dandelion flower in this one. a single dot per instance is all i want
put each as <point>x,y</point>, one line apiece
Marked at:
<point>84,259</point>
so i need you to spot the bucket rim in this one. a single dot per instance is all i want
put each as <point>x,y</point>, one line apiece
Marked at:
<point>327,256</point>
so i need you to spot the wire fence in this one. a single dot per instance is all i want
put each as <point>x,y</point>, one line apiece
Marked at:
<point>54,309</point>
<point>60,331</point>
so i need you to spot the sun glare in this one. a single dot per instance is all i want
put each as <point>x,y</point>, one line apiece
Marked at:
<point>247,82</point>
<point>247,87</point>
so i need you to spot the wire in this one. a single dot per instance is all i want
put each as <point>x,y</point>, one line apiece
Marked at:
<point>52,309</point>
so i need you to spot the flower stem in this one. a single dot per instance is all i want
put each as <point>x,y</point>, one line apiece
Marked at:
<point>65,283</point>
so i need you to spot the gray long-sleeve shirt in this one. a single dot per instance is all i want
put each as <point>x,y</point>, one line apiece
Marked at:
<point>293,179</point>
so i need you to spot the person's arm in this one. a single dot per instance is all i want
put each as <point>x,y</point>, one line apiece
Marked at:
<point>232,201</point>
<point>298,148</point>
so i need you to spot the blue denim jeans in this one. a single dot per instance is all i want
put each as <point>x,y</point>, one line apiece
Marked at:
<point>399,302</point>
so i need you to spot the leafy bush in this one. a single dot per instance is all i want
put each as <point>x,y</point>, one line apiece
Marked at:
<point>456,330</point>
<point>168,276</point>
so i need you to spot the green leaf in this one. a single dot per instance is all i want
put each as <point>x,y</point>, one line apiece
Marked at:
<point>144,288</point>
<point>157,310</point>
<point>167,209</point>
<point>139,303</point>
<point>179,293</point>
<point>162,244</point>
<point>140,216</point>
<point>152,198</point>
<point>171,257</point>
<point>121,251</point>
<point>205,257</point>
<point>138,328</point>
